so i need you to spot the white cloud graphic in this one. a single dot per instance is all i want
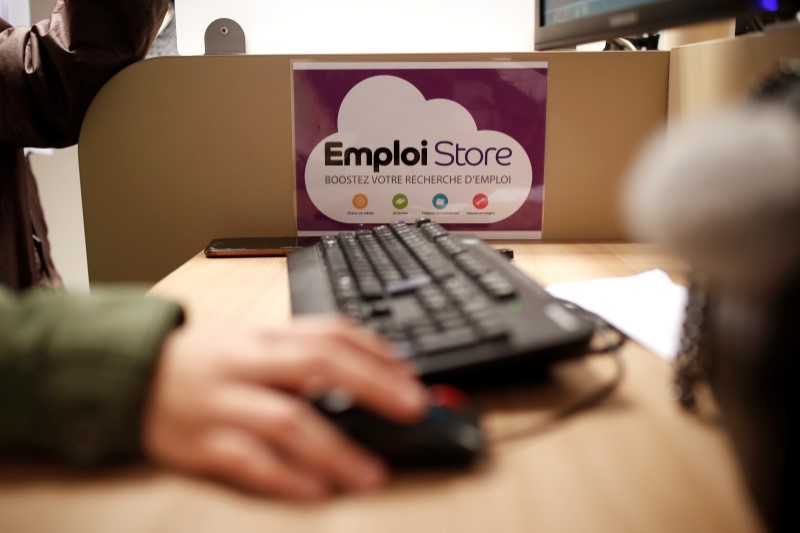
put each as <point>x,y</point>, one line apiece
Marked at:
<point>382,109</point>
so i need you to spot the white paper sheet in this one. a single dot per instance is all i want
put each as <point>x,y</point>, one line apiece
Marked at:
<point>647,307</point>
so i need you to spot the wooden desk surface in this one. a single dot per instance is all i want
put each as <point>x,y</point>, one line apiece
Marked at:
<point>635,463</point>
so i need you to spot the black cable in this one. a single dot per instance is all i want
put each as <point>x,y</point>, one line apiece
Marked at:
<point>612,347</point>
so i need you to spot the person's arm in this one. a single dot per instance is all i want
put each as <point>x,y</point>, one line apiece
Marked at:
<point>90,379</point>
<point>75,371</point>
<point>49,73</point>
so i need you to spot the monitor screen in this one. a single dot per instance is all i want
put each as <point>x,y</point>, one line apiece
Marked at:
<point>562,23</point>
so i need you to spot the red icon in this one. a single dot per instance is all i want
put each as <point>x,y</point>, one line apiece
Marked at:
<point>480,201</point>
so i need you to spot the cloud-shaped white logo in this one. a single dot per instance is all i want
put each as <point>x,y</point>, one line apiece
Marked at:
<point>391,141</point>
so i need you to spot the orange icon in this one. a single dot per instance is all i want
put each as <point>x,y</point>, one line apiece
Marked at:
<point>360,201</point>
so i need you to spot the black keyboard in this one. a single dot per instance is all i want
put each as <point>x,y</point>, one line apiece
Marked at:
<point>452,304</point>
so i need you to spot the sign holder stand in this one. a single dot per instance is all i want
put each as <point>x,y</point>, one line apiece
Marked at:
<point>224,37</point>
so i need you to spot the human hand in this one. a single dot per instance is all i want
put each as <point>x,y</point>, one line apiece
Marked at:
<point>228,403</point>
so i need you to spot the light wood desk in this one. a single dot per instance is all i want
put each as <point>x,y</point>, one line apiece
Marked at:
<point>634,464</point>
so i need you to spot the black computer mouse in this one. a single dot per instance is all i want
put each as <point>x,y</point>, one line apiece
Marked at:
<point>448,435</point>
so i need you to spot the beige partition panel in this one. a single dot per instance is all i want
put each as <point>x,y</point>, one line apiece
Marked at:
<point>175,151</point>
<point>708,75</point>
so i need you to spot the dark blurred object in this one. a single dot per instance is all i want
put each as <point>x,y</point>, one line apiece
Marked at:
<point>692,363</point>
<point>752,21</point>
<point>647,41</point>
<point>756,21</point>
<point>783,88</point>
<point>725,194</point>
<point>740,352</point>
<point>448,436</point>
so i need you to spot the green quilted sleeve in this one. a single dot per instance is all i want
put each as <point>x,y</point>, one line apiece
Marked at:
<point>74,371</point>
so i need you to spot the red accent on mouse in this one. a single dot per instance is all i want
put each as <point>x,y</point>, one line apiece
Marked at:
<point>447,436</point>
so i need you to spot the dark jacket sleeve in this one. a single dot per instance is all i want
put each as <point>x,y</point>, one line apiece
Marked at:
<point>49,73</point>
<point>74,371</point>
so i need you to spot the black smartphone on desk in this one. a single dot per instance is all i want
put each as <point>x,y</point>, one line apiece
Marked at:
<point>251,246</point>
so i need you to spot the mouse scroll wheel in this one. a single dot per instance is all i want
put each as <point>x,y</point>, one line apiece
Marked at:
<point>448,397</point>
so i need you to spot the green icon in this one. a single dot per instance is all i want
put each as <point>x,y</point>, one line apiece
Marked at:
<point>400,201</point>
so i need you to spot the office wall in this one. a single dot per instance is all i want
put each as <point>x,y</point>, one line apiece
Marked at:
<point>359,26</point>
<point>60,192</point>
<point>40,9</point>
<point>15,11</point>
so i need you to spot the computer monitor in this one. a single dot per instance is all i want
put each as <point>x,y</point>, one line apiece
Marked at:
<point>564,23</point>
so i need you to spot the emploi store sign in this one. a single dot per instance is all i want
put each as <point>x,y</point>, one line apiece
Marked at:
<point>460,143</point>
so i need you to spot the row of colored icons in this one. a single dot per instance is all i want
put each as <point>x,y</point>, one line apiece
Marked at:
<point>439,201</point>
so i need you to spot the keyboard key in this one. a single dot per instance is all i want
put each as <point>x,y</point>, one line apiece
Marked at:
<point>407,285</point>
<point>496,285</point>
<point>445,340</point>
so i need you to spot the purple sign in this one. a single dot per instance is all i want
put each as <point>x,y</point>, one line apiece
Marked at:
<point>460,143</point>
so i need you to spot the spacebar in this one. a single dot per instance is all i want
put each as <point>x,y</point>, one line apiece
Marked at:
<point>445,340</point>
